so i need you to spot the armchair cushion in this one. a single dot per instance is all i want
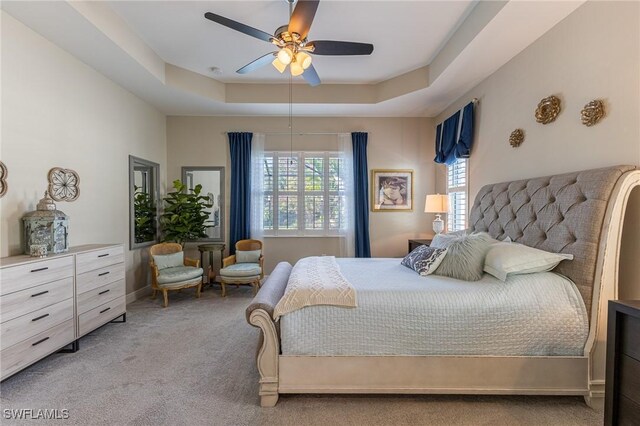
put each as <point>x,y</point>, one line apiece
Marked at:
<point>241,270</point>
<point>249,256</point>
<point>178,274</point>
<point>164,261</point>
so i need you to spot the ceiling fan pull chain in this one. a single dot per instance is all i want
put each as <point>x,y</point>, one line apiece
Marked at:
<point>290,119</point>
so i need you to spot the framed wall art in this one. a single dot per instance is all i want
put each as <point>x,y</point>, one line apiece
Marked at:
<point>391,190</point>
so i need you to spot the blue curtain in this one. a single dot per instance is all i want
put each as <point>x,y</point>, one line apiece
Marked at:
<point>454,137</point>
<point>361,192</point>
<point>240,150</point>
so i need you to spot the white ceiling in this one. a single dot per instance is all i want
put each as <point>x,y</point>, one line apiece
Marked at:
<point>405,34</point>
<point>454,46</point>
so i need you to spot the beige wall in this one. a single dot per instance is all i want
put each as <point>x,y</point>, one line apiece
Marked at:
<point>393,143</point>
<point>593,53</point>
<point>56,111</point>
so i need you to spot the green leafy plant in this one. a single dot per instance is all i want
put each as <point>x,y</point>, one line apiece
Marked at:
<point>185,217</point>
<point>144,215</point>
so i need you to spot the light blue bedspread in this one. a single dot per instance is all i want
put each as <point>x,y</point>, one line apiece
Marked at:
<point>402,313</point>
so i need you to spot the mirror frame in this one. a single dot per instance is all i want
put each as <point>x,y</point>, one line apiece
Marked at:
<point>223,205</point>
<point>155,192</point>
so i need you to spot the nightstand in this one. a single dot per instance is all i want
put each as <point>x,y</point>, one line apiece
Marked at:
<point>622,393</point>
<point>413,244</point>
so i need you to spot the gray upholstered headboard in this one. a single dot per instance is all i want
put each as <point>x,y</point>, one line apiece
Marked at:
<point>561,214</point>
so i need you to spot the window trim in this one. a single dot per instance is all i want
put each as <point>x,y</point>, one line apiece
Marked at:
<point>300,193</point>
<point>463,188</point>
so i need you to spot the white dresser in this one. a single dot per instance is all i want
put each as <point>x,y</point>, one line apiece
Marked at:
<point>47,304</point>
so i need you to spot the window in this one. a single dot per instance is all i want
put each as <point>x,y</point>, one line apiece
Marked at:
<point>457,188</point>
<point>304,193</point>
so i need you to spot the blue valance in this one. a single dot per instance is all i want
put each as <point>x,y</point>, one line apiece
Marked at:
<point>454,136</point>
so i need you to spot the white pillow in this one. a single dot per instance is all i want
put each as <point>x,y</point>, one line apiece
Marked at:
<point>248,256</point>
<point>504,259</point>
<point>164,261</point>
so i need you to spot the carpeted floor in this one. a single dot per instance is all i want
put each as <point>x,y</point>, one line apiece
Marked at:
<point>193,364</point>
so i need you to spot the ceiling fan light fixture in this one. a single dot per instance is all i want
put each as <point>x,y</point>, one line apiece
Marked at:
<point>296,69</point>
<point>285,56</point>
<point>279,65</point>
<point>303,59</point>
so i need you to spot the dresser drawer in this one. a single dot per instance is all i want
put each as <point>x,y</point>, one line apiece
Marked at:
<point>630,378</point>
<point>100,315</point>
<point>99,277</point>
<point>98,296</point>
<point>99,259</point>
<point>22,302</point>
<point>29,325</point>
<point>34,348</point>
<point>630,336</point>
<point>15,278</point>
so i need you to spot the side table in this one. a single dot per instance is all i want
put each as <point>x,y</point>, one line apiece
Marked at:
<point>210,248</point>
<point>414,244</point>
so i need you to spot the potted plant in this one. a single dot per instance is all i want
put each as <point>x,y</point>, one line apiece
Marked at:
<point>185,217</point>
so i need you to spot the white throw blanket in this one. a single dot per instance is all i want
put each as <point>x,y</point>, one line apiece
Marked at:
<point>316,281</point>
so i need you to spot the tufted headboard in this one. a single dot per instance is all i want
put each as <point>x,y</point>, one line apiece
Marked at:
<point>560,214</point>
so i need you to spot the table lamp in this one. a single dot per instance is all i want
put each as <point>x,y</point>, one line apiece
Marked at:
<point>438,204</point>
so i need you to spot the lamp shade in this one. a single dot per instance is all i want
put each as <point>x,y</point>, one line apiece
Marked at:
<point>436,203</point>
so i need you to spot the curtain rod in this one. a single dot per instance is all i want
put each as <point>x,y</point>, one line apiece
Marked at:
<point>298,133</point>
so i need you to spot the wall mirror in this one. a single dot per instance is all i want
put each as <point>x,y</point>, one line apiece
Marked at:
<point>212,181</point>
<point>144,196</point>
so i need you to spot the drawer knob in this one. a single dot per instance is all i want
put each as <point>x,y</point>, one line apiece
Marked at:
<point>40,317</point>
<point>40,269</point>
<point>40,294</point>
<point>104,291</point>
<point>40,341</point>
<point>103,255</point>
<point>104,310</point>
<point>103,274</point>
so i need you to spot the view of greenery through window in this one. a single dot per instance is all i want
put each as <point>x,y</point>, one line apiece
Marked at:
<point>303,193</point>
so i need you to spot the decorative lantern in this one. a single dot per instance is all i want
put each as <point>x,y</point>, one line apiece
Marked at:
<point>47,226</point>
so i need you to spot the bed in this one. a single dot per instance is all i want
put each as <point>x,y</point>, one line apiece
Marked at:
<point>542,334</point>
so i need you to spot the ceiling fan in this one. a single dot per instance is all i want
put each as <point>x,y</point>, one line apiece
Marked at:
<point>291,41</point>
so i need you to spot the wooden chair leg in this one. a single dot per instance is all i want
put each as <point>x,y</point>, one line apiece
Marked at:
<point>223,285</point>
<point>255,287</point>
<point>153,293</point>
<point>166,297</point>
<point>198,290</point>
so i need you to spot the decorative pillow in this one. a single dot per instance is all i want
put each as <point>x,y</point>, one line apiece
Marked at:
<point>424,259</point>
<point>443,240</point>
<point>249,256</point>
<point>465,257</point>
<point>504,259</point>
<point>164,261</point>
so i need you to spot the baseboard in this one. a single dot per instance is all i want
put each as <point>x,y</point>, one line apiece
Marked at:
<point>138,294</point>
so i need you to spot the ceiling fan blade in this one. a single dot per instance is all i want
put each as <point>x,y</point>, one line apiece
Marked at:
<point>311,76</point>
<point>302,17</point>
<point>258,63</point>
<point>330,47</point>
<point>234,25</point>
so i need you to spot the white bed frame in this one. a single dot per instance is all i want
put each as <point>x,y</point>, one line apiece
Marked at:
<point>497,375</point>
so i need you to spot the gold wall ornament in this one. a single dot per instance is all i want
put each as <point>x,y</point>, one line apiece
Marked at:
<point>516,138</point>
<point>64,184</point>
<point>592,112</point>
<point>548,109</point>
<point>3,179</point>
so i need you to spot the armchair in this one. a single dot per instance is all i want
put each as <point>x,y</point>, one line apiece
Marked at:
<point>245,267</point>
<point>170,270</point>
